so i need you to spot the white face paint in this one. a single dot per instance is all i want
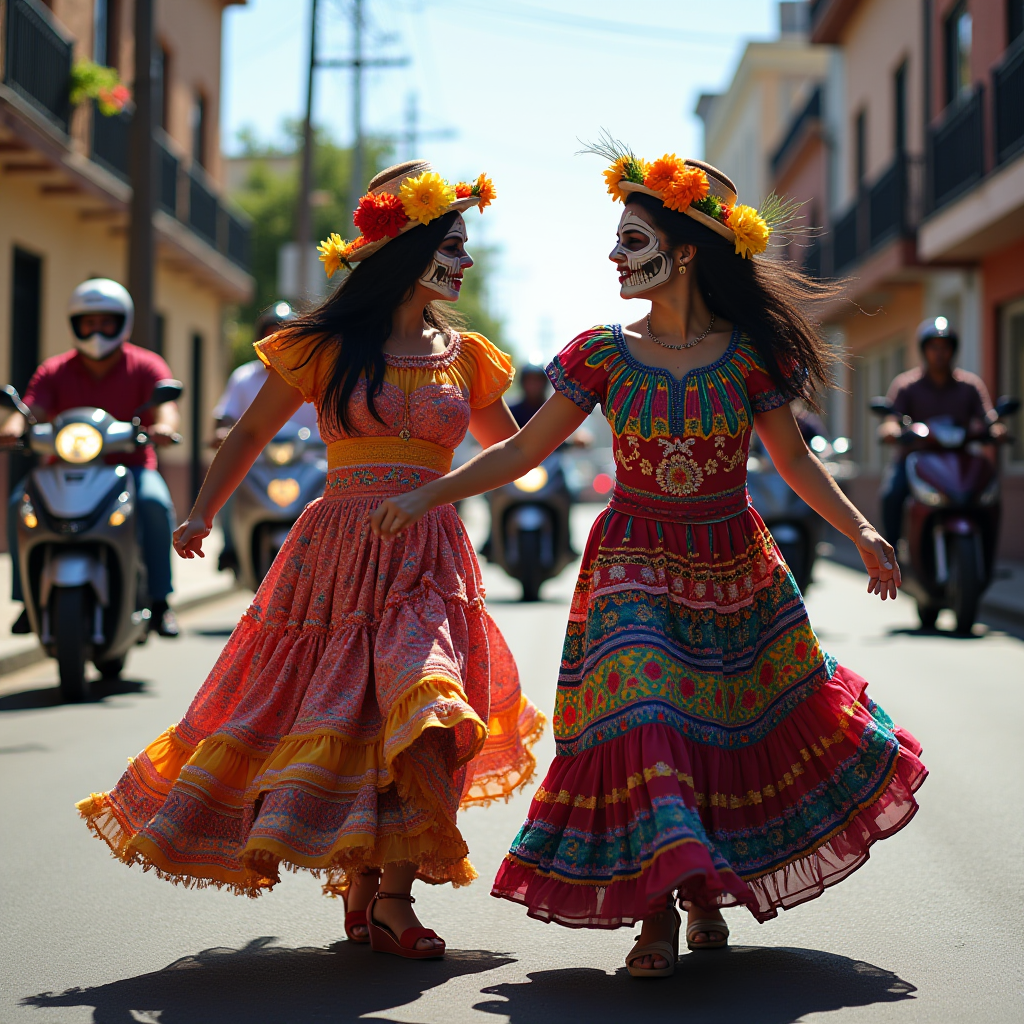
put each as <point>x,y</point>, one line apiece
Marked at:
<point>444,275</point>
<point>645,268</point>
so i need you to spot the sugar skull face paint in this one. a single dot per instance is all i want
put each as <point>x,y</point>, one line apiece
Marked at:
<point>444,275</point>
<point>642,265</point>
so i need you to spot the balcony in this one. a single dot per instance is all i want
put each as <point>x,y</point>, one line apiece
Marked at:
<point>201,210</point>
<point>38,60</point>
<point>956,150</point>
<point>810,115</point>
<point>1008,91</point>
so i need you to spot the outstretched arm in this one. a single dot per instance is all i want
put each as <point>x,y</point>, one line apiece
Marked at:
<point>498,465</point>
<point>800,468</point>
<point>275,404</point>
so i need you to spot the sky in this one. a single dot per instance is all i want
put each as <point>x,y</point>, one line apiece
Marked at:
<point>509,88</point>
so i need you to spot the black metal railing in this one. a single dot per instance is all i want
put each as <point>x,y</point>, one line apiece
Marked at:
<point>237,234</point>
<point>38,60</point>
<point>814,258</point>
<point>845,240</point>
<point>956,150</point>
<point>167,180</point>
<point>202,206</point>
<point>110,141</point>
<point>1008,93</point>
<point>886,203</point>
<point>810,113</point>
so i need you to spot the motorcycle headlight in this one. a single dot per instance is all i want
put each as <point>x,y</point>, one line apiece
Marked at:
<point>533,481</point>
<point>281,453</point>
<point>283,492</point>
<point>78,442</point>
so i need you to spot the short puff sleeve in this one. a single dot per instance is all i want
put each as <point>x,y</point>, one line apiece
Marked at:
<point>488,370</point>
<point>763,391</point>
<point>579,371</point>
<point>304,361</point>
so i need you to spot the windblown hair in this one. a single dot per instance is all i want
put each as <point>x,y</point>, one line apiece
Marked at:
<point>356,320</point>
<point>772,301</point>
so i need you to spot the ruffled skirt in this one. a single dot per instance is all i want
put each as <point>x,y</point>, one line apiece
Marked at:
<point>706,745</point>
<point>364,696</point>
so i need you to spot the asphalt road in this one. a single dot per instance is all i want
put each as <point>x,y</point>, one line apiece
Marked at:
<point>928,930</point>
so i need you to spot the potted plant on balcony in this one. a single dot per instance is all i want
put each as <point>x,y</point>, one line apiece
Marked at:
<point>91,81</point>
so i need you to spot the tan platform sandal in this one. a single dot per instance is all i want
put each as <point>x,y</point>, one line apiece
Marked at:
<point>708,926</point>
<point>668,951</point>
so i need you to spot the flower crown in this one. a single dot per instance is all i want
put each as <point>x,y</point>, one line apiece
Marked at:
<point>686,186</point>
<point>398,204</point>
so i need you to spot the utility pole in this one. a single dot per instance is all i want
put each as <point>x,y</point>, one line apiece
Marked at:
<point>142,170</point>
<point>304,226</point>
<point>412,135</point>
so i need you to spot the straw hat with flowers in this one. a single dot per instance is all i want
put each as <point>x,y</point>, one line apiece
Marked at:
<point>401,198</point>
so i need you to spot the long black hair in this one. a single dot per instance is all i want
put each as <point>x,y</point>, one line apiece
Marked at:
<point>356,321</point>
<point>772,301</point>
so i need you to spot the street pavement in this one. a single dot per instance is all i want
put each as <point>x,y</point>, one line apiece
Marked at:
<point>927,931</point>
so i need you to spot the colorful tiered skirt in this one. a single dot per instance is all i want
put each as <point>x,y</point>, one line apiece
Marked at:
<point>364,696</point>
<point>706,745</point>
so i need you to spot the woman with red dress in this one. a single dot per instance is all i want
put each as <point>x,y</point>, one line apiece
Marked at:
<point>708,749</point>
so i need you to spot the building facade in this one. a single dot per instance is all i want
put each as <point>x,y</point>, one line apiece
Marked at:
<point>65,197</point>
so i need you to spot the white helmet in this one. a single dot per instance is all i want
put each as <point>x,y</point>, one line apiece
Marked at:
<point>101,295</point>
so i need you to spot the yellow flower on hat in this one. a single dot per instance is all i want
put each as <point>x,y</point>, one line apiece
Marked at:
<point>627,167</point>
<point>332,253</point>
<point>426,197</point>
<point>751,230</point>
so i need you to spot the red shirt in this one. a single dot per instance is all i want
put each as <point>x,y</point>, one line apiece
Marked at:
<point>63,382</point>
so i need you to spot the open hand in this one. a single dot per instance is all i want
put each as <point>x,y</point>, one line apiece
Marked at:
<point>393,515</point>
<point>880,561</point>
<point>188,538</point>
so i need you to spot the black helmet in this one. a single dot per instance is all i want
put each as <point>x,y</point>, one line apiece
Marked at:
<point>936,327</point>
<point>532,368</point>
<point>271,318</point>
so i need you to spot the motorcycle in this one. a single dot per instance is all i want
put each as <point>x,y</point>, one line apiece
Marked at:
<point>289,474</point>
<point>794,525</point>
<point>85,583</point>
<point>530,525</point>
<point>951,517</point>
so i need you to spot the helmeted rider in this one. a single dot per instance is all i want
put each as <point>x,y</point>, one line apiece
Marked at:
<point>105,370</point>
<point>934,390</point>
<point>534,384</point>
<point>242,387</point>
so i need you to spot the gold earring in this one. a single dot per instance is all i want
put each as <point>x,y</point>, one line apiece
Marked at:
<point>682,268</point>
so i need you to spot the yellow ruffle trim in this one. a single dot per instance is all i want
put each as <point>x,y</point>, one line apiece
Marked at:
<point>330,765</point>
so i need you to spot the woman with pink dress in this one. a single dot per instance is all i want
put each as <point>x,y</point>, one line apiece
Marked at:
<point>366,694</point>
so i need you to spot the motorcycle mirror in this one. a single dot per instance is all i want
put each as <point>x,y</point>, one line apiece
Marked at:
<point>10,399</point>
<point>1007,406</point>
<point>880,406</point>
<point>169,390</point>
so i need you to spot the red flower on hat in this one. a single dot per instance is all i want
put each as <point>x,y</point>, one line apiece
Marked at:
<point>380,216</point>
<point>462,190</point>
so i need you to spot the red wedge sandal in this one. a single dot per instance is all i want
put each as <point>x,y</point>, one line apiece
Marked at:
<point>384,940</point>
<point>357,918</point>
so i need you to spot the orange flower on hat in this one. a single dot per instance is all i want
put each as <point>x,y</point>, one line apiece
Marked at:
<point>463,190</point>
<point>662,171</point>
<point>483,188</point>
<point>687,186</point>
<point>380,216</point>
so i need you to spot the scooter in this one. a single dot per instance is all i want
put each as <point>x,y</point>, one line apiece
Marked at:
<point>82,571</point>
<point>530,525</point>
<point>289,474</point>
<point>951,518</point>
<point>794,525</point>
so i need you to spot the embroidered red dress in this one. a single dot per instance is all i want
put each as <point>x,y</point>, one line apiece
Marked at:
<point>366,692</point>
<point>705,741</point>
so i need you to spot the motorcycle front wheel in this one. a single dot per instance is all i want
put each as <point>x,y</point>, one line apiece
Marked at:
<point>71,631</point>
<point>529,564</point>
<point>965,581</point>
<point>111,668</point>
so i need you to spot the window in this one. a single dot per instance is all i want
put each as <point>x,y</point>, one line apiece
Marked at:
<point>161,69</point>
<point>959,29</point>
<point>26,314</point>
<point>199,130</point>
<point>159,333</point>
<point>873,372</point>
<point>196,468</point>
<point>104,33</point>
<point>900,110</point>
<point>1014,20</point>
<point>860,151</point>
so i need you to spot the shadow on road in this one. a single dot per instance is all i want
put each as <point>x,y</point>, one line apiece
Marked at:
<point>942,634</point>
<point>50,696</point>
<point>266,984</point>
<point>736,986</point>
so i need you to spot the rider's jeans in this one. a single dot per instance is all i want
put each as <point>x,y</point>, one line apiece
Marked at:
<point>894,492</point>
<point>156,523</point>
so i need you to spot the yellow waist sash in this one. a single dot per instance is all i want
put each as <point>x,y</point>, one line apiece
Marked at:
<point>388,451</point>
